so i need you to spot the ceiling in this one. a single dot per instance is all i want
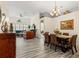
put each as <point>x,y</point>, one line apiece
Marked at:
<point>29,8</point>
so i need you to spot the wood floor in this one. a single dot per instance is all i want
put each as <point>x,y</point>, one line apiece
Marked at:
<point>35,48</point>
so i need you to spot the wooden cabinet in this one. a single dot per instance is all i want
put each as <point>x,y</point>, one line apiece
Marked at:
<point>7,45</point>
<point>29,35</point>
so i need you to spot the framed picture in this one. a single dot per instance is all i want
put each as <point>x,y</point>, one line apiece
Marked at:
<point>67,25</point>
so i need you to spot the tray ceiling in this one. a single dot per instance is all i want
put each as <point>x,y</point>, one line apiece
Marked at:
<point>32,7</point>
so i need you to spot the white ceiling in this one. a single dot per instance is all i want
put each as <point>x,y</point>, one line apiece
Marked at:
<point>28,8</point>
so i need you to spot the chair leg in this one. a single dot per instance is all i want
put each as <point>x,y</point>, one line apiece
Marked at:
<point>72,50</point>
<point>44,43</point>
<point>47,44</point>
<point>50,45</point>
<point>75,48</point>
<point>55,47</point>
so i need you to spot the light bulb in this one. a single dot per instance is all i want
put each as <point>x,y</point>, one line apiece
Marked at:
<point>57,14</point>
<point>55,11</point>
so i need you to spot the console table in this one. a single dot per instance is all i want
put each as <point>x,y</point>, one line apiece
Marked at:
<point>7,45</point>
<point>29,35</point>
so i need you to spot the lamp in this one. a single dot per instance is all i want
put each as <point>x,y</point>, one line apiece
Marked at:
<point>56,11</point>
<point>3,14</point>
<point>4,26</point>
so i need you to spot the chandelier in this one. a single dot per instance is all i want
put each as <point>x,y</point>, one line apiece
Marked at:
<point>56,11</point>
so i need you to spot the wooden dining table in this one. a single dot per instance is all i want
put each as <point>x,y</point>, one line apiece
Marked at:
<point>63,36</point>
<point>63,40</point>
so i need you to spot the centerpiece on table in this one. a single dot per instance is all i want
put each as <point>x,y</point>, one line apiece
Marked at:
<point>56,31</point>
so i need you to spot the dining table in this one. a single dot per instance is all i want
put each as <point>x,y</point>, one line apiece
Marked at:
<point>63,36</point>
<point>63,40</point>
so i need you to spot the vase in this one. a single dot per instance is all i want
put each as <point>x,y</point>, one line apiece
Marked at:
<point>4,27</point>
<point>11,27</point>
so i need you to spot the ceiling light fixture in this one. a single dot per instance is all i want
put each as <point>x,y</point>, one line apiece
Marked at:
<point>56,11</point>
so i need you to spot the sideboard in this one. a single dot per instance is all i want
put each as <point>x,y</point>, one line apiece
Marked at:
<point>7,45</point>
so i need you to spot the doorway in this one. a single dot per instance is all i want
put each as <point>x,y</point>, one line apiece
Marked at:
<point>42,26</point>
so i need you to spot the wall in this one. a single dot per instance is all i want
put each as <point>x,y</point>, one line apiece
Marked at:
<point>25,21</point>
<point>75,16</point>
<point>36,20</point>
<point>49,24</point>
<point>53,23</point>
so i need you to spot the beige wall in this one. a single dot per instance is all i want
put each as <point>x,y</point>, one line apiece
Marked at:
<point>75,16</point>
<point>49,24</point>
<point>35,20</point>
<point>52,23</point>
